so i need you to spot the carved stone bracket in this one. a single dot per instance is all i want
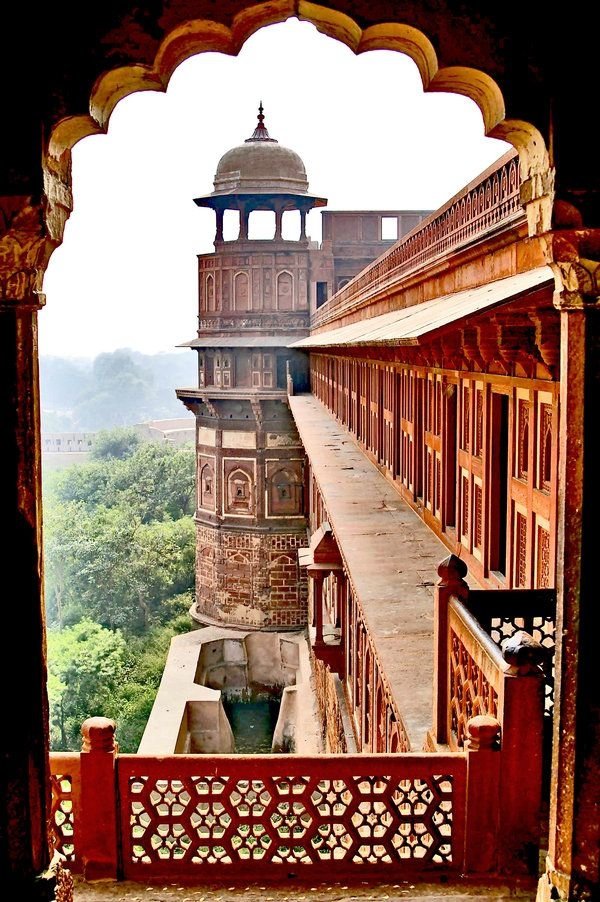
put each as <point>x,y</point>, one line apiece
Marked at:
<point>24,252</point>
<point>257,411</point>
<point>574,255</point>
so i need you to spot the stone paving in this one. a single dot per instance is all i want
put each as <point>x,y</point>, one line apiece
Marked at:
<point>318,892</point>
<point>390,555</point>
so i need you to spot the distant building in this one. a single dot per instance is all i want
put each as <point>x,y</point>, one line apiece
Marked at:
<point>67,442</point>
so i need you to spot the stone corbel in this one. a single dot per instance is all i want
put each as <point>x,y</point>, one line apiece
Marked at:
<point>24,252</point>
<point>257,411</point>
<point>574,255</point>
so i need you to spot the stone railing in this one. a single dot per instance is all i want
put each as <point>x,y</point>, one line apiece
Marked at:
<point>273,817</point>
<point>474,677</point>
<point>487,204</point>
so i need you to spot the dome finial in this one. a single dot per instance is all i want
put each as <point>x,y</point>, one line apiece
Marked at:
<point>260,133</point>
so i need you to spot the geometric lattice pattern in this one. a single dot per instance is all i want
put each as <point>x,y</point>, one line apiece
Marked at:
<point>543,630</point>
<point>62,816</point>
<point>286,815</point>
<point>501,613</point>
<point>471,693</point>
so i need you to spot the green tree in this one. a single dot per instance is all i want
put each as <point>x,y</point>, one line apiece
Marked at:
<point>157,482</point>
<point>108,565</point>
<point>120,443</point>
<point>86,666</point>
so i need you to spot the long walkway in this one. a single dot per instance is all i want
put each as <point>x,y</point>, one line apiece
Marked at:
<point>389,554</point>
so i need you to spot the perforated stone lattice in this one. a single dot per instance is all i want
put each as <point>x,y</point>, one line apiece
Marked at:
<point>470,691</point>
<point>543,630</point>
<point>62,816</point>
<point>290,819</point>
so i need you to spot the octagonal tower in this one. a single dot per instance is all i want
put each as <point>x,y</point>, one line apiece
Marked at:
<point>255,297</point>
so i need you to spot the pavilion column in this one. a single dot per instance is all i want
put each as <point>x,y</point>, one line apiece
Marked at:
<point>244,216</point>
<point>302,225</point>
<point>317,577</point>
<point>573,860</point>
<point>278,222</point>
<point>25,808</point>
<point>219,232</point>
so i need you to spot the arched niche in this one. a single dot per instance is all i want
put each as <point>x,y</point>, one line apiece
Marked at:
<point>241,292</point>
<point>285,291</point>
<point>239,492</point>
<point>285,492</point>
<point>206,487</point>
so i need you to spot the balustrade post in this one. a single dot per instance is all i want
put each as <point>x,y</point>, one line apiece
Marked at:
<point>317,577</point>
<point>483,788</point>
<point>522,704</point>
<point>451,571</point>
<point>98,811</point>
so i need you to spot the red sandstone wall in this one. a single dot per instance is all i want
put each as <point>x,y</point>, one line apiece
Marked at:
<point>251,579</point>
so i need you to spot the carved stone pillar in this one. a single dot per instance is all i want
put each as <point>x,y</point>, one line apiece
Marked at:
<point>219,232</point>
<point>302,225</point>
<point>317,577</point>
<point>573,843</point>
<point>24,851</point>
<point>244,216</point>
<point>451,571</point>
<point>278,222</point>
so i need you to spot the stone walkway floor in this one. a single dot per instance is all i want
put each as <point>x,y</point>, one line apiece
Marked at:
<point>390,554</point>
<point>318,892</point>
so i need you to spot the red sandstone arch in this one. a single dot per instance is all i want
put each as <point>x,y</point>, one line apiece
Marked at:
<point>202,35</point>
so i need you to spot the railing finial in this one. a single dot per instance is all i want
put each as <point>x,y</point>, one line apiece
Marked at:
<point>98,734</point>
<point>452,571</point>
<point>521,650</point>
<point>483,732</point>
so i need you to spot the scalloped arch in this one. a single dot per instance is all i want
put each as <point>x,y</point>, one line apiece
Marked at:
<point>203,35</point>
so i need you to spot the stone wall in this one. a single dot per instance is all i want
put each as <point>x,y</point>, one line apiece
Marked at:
<point>250,578</point>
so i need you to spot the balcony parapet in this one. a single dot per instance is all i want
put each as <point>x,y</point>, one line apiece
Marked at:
<point>488,204</point>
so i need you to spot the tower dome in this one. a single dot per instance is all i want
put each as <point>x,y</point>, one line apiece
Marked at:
<point>260,167</point>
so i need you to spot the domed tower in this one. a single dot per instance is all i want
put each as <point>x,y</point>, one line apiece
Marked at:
<point>255,296</point>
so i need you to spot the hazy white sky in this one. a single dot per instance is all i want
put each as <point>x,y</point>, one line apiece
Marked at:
<point>125,275</point>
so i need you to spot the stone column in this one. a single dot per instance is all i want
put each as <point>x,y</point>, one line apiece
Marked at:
<point>317,577</point>
<point>244,216</point>
<point>25,807</point>
<point>98,830</point>
<point>278,222</point>
<point>573,860</point>
<point>482,802</point>
<point>219,233</point>
<point>302,225</point>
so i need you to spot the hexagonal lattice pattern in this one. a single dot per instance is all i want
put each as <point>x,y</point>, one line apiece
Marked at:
<point>62,816</point>
<point>360,820</point>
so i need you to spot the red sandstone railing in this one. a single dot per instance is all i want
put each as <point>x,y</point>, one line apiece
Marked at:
<point>274,817</point>
<point>490,202</point>
<point>194,817</point>
<point>289,815</point>
<point>475,677</point>
<point>64,813</point>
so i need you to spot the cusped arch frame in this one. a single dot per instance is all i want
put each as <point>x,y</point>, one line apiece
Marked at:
<point>203,35</point>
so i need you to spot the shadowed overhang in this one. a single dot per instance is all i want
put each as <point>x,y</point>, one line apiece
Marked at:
<point>240,341</point>
<point>408,325</point>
